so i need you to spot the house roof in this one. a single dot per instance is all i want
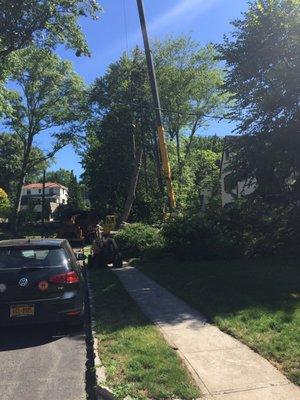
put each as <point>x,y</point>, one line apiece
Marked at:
<point>47,185</point>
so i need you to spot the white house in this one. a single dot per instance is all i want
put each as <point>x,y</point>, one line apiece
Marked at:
<point>242,188</point>
<point>55,194</point>
<point>205,197</point>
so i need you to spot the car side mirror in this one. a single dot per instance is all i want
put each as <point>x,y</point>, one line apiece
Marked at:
<point>81,256</point>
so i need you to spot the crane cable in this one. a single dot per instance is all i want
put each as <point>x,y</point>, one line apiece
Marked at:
<point>126,25</point>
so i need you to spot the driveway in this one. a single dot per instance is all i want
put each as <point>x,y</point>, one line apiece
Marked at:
<point>46,362</point>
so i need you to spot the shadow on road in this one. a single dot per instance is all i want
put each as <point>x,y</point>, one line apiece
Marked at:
<point>22,337</point>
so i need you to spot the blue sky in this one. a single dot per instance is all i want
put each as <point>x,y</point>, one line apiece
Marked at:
<point>118,30</point>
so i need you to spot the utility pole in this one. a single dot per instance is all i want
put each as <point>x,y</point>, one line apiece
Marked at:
<point>43,203</point>
<point>158,113</point>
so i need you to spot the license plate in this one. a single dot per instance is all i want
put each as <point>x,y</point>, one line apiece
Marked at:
<point>21,310</point>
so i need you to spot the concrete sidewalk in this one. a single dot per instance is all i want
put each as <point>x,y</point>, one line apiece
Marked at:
<point>224,368</point>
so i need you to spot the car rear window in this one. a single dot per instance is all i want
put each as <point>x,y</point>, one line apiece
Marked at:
<point>15,257</point>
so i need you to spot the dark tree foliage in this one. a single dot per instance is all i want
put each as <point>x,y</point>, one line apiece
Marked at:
<point>11,155</point>
<point>75,199</point>
<point>263,63</point>
<point>107,163</point>
<point>122,122</point>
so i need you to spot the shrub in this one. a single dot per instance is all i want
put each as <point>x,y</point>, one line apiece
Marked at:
<point>263,229</point>
<point>248,228</point>
<point>197,237</point>
<point>138,239</point>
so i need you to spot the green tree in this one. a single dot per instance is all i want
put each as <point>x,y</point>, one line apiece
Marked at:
<point>190,81</point>
<point>201,174</point>
<point>49,100</point>
<point>46,23</point>
<point>263,61</point>
<point>43,23</point>
<point>62,176</point>
<point>4,203</point>
<point>75,193</point>
<point>11,162</point>
<point>123,123</point>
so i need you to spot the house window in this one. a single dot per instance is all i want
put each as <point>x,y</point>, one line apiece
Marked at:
<point>40,190</point>
<point>51,192</point>
<point>230,184</point>
<point>227,155</point>
<point>28,191</point>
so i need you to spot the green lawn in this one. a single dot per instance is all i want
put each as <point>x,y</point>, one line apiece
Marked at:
<point>257,301</point>
<point>138,361</point>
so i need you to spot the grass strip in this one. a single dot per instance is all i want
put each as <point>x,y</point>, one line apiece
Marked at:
<point>138,361</point>
<point>257,301</point>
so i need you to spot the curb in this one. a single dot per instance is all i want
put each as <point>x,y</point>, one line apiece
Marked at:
<point>101,391</point>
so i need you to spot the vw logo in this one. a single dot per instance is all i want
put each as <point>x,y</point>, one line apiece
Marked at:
<point>23,282</point>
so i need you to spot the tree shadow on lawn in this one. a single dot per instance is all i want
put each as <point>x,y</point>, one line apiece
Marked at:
<point>113,309</point>
<point>257,301</point>
<point>266,290</point>
<point>228,287</point>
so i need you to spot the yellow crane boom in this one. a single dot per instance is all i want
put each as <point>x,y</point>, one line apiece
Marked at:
<point>155,94</point>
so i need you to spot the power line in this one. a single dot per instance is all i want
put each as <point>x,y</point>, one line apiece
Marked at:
<point>126,26</point>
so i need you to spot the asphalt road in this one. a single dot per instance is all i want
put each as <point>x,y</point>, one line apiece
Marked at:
<point>42,363</point>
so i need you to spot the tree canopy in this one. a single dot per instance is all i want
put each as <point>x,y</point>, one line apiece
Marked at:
<point>122,123</point>
<point>49,100</point>
<point>75,193</point>
<point>263,62</point>
<point>190,80</point>
<point>11,155</point>
<point>45,23</point>
<point>62,176</point>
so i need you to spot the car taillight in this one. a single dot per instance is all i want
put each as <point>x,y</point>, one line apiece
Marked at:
<point>67,277</point>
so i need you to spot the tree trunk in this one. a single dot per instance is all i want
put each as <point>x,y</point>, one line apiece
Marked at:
<point>132,186</point>
<point>17,204</point>
<point>178,148</point>
<point>181,163</point>
<point>145,165</point>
